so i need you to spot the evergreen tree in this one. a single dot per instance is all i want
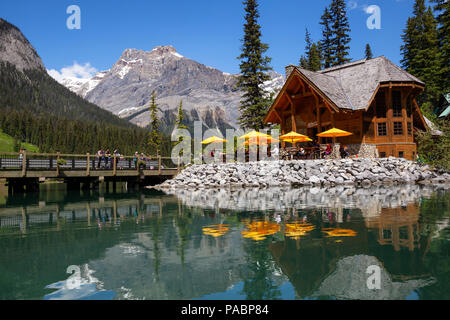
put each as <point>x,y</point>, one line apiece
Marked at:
<point>326,43</point>
<point>179,123</point>
<point>315,58</point>
<point>311,60</point>
<point>420,50</point>
<point>369,54</point>
<point>180,117</point>
<point>154,141</point>
<point>443,19</point>
<point>340,29</point>
<point>254,67</point>
<point>304,59</point>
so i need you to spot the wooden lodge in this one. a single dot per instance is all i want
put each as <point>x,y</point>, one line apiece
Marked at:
<point>373,99</point>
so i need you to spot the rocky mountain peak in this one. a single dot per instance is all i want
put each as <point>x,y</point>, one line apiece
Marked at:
<point>15,48</point>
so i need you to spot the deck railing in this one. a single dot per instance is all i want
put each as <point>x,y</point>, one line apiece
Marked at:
<point>26,161</point>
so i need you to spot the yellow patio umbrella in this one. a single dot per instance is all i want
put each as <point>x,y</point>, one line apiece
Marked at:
<point>301,140</point>
<point>257,142</point>
<point>334,133</point>
<point>255,134</point>
<point>214,139</point>
<point>293,136</point>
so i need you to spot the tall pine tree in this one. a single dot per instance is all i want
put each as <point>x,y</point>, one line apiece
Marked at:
<point>154,140</point>
<point>312,58</point>
<point>420,50</point>
<point>326,43</point>
<point>340,29</point>
<point>368,53</point>
<point>179,123</point>
<point>254,66</point>
<point>442,7</point>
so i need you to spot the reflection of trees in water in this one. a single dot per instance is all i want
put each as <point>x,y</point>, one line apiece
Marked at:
<point>435,216</point>
<point>259,283</point>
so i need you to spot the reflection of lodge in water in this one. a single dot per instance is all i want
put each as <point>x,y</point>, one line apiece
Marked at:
<point>386,219</point>
<point>397,227</point>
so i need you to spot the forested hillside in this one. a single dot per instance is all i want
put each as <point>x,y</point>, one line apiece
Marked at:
<point>35,108</point>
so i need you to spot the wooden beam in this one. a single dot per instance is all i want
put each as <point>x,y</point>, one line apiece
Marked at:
<point>300,96</point>
<point>294,124</point>
<point>278,115</point>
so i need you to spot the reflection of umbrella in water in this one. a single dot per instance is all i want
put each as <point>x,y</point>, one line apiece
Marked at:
<point>216,230</point>
<point>259,230</point>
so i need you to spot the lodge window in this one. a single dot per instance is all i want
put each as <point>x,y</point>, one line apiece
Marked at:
<point>382,154</point>
<point>397,104</point>
<point>380,102</point>
<point>409,127</point>
<point>409,107</point>
<point>401,154</point>
<point>398,128</point>
<point>382,129</point>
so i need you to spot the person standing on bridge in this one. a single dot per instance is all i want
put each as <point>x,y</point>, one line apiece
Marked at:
<point>100,156</point>
<point>108,159</point>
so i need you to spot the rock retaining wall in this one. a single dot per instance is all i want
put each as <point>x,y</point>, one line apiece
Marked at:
<point>307,172</point>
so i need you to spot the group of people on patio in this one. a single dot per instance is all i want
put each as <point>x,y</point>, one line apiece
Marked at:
<point>312,150</point>
<point>303,147</point>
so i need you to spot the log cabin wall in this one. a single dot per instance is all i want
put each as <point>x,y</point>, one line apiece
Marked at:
<point>388,123</point>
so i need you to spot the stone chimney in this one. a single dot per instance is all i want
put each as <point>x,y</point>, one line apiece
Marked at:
<point>289,70</point>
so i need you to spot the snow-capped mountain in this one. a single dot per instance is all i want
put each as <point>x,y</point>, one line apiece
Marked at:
<point>208,94</point>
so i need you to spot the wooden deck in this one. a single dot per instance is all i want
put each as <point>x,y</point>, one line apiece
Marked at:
<point>31,168</point>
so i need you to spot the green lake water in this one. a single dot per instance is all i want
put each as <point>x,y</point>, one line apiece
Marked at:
<point>307,243</point>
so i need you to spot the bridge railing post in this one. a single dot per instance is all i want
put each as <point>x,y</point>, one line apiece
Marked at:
<point>24,164</point>
<point>159,165</point>
<point>88,164</point>
<point>57,163</point>
<point>114,165</point>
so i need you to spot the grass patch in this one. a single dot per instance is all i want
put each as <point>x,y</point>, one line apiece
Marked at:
<point>7,144</point>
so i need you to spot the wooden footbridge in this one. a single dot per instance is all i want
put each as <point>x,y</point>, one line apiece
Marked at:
<point>24,172</point>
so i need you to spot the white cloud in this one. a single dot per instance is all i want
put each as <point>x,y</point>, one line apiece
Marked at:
<point>76,70</point>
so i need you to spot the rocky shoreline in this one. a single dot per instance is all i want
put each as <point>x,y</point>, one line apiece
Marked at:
<point>262,174</point>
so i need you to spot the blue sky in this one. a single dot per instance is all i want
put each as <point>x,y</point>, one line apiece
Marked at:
<point>208,31</point>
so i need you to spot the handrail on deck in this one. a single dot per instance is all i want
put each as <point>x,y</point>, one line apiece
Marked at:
<point>51,161</point>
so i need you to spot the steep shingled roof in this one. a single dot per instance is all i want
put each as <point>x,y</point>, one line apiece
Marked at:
<point>352,85</point>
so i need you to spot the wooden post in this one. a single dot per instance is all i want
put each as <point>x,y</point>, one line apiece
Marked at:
<point>159,165</point>
<point>24,164</point>
<point>114,165</point>
<point>88,164</point>
<point>57,164</point>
